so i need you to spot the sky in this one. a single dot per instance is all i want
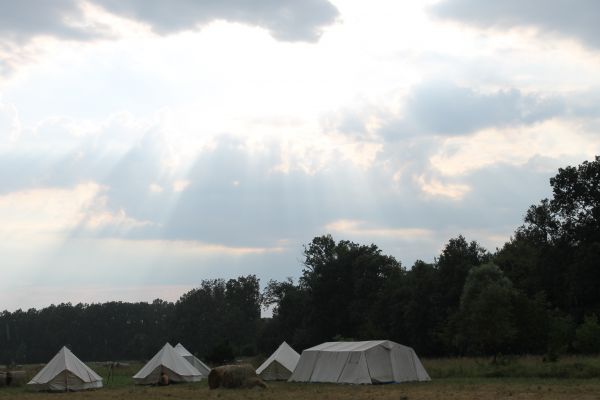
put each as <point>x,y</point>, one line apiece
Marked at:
<point>146,145</point>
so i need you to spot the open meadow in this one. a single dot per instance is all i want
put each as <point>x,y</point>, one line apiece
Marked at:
<point>468,378</point>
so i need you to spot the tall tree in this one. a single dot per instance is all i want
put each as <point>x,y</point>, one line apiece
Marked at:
<point>345,283</point>
<point>557,250</point>
<point>219,313</point>
<point>454,263</point>
<point>485,321</point>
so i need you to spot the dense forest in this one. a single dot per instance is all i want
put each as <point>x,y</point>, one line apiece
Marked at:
<point>538,294</point>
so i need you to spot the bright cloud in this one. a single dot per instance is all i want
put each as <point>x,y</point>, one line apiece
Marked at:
<point>57,211</point>
<point>360,228</point>
<point>155,146</point>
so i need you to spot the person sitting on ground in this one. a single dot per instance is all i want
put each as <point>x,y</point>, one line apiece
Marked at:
<point>164,379</point>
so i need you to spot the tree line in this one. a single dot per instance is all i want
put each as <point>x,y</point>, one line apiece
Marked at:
<point>538,294</point>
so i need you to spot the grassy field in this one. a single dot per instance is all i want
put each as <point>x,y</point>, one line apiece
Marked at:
<point>520,378</point>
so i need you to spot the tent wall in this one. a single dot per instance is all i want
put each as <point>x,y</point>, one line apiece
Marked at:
<point>378,361</point>
<point>154,376</point>
<point>65,381</point>
<point>199,365</point>
<point>65,372</point>
<point>177,368</point>
<point>275,372</point>
<point>329,366</point>
<point>380,364</point>
<point>422,374</point>
<point>305,366</point>
<point>356,370</point>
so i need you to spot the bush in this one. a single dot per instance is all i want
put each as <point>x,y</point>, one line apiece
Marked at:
<point>587,335</point>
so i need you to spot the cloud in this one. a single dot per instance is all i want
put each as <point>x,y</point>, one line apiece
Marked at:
<point>45,210</point>
<point>435,187</point>
<point>53,212</point>
<point>286,20</point>
<point>119,220</point>
<point>572,19</point>
<point>42,295</point>
<point>457,156</point>
<point>180,185</point>
<point>23,19</point>
<point>362,228</point>
<point>155,188</point>
<point>10,124</point>
<point>442,108</point>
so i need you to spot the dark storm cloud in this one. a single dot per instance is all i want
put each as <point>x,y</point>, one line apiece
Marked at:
<point>575,19</point>
<point>440,108</point>
<point>287,20</point>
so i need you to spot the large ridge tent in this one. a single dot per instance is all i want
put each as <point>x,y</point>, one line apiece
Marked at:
<point>167,360</point>
<point>196,363</point>
<point>377,361</point>
<point>65,372</point>
<point>280,365</point>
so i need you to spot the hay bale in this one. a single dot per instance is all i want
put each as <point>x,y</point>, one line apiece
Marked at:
<point>215,376</point>
<point>234,376</point>
<point>255,382</point>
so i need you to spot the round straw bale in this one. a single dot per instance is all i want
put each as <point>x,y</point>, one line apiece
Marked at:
<point>234,376</point>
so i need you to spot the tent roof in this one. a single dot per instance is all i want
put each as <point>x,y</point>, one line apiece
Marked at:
<point>192,359</point>
<point>284,355</point>
<point>352,346</point>
<point>182,350</point>
<point>168,357</point>
<point>65,360</point>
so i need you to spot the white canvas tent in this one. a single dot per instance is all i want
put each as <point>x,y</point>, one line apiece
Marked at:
<point>378,361</point>
<point>65,372</point>
<point>196,363</point>
<point>280,365</point>
<point>169,361</point>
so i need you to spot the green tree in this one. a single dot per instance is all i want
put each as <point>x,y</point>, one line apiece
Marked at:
<point>454,263</point>
<point>485,321</point>
<point>289,303</point>
<point>421,316</point>
<point>560,334</point>
<point>587,335</point>
<point>348,287</point>
<point>219,314</point>
<point>565,232</point>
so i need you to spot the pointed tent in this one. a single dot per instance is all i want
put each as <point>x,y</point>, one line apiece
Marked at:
<point>169,361</point>
<point>196,363</point>
<point>377,361</point>
<point>65,372</point>
<point>280,365</point>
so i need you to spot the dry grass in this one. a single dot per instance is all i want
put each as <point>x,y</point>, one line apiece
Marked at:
<point>440,389</point>
<point>454,379</point>
<point>568,367</point>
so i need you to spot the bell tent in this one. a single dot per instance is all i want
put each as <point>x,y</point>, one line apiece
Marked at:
<point>377,361</point>
<point>167,360</point>
<point>280,365</point>
<point>196,363</point>
<point>65,372</point>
